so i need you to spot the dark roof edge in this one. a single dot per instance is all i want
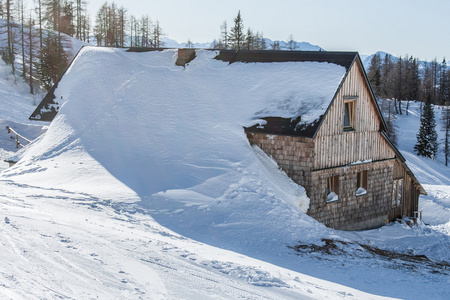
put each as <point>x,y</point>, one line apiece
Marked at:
<point>336,93</point>
<point>279,51</point>
<point>397,152</point>
<point>342,58</point>
<point>283,127</point>
<point>383,122</point>
<point>55,85</point>
<point>357,57</point>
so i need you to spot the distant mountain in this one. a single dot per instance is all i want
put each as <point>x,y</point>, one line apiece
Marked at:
<point>367,59</point>
<point>170,43</point>
<point>301,46</point>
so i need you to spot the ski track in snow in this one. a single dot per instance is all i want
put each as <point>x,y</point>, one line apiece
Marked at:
<point>85,249</point>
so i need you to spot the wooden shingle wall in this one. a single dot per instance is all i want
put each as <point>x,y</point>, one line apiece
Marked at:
<point>353,212</point>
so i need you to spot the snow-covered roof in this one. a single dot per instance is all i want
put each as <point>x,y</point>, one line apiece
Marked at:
<point>157,126</point>
<point>294,84</point>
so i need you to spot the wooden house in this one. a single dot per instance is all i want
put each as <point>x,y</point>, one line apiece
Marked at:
<point>354,176</point>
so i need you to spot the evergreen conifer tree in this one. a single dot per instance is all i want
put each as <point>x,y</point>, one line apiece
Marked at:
<point>446,129</point>
<point>237,36</point>
<point>374,74</point>
<point>54,59</point>
<point>388,111</point>
<point>260,42</point>
<point>412,81</point>
<point>427,137</point>
<point>250,40</point>
<point>444,84</point>
<point>386,75</point>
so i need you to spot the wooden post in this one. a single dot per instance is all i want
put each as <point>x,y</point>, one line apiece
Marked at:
<point>10,130</point>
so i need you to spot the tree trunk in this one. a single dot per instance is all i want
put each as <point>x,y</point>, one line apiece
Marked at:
<point>31,56</point>
<point>24,68</point>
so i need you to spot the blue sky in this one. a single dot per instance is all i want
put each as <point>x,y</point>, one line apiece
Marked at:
<point>399,27</point>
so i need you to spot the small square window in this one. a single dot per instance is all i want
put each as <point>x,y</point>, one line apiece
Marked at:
<point>332,188</point>
<point>361,183</point>
<point>349,114</point>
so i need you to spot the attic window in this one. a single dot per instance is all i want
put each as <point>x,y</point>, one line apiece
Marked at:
<point>349,112</point>
<point>332,188</point>
<point>361,183</point>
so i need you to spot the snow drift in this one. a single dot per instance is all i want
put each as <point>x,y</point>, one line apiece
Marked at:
<point>173,140</point>
<point>158,127</point>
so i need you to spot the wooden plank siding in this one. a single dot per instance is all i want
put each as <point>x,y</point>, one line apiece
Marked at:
<point>332,151</point>
<point>336,147</point>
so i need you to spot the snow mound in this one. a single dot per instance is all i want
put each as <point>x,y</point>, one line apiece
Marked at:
<point>136,128</point>
<point>157,127</point>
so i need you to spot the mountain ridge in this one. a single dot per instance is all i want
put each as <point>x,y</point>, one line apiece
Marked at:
<point>301,46</point>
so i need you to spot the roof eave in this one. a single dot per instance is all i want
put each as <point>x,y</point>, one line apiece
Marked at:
<point>50,93</point>
<point>372,94</point>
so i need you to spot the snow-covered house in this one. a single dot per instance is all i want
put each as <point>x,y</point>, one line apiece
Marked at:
<point>355,177</point>
<point>313,112</point>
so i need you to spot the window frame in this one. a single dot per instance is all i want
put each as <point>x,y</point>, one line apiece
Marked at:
<point>332,187</point>
<point>349,112</point>
<point>361,183</point>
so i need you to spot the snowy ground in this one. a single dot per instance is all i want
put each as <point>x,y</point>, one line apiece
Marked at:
<point>73,226</point>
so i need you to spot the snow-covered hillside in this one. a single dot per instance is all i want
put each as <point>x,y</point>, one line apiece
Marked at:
<point>137,191</point>
<point>433,174</point>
